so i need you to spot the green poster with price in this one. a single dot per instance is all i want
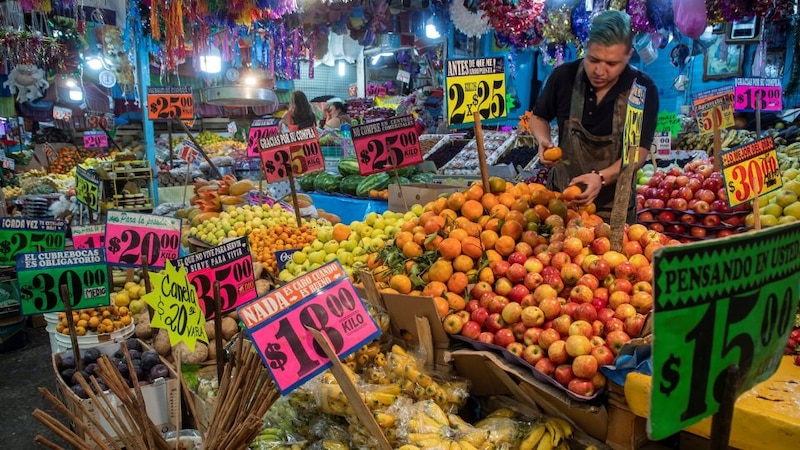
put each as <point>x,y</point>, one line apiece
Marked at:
<point>719,303</point>
<point>41,275</point>
<point>22,235</point>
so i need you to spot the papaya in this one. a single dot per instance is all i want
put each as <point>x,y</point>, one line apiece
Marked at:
<point>241,187</point>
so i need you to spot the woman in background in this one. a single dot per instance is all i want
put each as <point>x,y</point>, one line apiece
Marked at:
<point>300,114</point>
<point>337,116</point>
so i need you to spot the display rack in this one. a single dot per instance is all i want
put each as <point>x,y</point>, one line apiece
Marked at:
<point>139,173</point>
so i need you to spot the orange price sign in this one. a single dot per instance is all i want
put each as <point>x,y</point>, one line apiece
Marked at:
<point>714,108</point>
<point>750,171</point>
<point>170,102</point>
<point>296,151</point>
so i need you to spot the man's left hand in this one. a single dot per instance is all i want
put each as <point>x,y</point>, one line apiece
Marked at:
<point>593,184</point>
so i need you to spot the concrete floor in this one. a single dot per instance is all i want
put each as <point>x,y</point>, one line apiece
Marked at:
<point>21,373</point>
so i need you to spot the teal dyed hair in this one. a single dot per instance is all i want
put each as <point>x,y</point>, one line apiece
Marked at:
<point>610,28</point>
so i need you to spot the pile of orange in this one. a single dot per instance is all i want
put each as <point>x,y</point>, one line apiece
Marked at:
<point>266,241</point>
<point>458,237</point>
<point>105,319</point>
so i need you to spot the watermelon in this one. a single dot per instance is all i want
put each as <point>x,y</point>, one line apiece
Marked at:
<point>327,182</point>
<point>404,180</point>
<point>349,184</point>
<point>348,166</point>
<point>307,182</point>
<point>377,181</point>
<point>407,171</point>
<point>422,178</point>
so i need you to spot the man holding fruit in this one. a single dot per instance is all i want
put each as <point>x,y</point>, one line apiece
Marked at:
<point>588,99</point>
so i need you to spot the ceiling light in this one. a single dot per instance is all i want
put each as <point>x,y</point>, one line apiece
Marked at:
<point>430,29</point>
<point>341,68</point>
<point>250,80</point>
<point>94,63</point>
<point>212,62</point>
<point>76,95</point>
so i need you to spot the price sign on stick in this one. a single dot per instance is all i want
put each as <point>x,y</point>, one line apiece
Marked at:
<point>231,265</point>
<point>668,122</point>
<point>21,235</point>
<point>296,151</point>
<point>289,350</point>
<point>388,144</point>
<point>188,152</point>
<point>88,236</point>
<point>87,188</point>
<point>751,170</point>
<point>719,303</point>
<point>634,114</point>
<point>475,85</point>
<point>758,93</point>
<point>131,235</point>
<point>41,275</point>
<point>714,106</point>
<point>170,102</point>
<point>95,139</point>
<point>175,307</point>
<point>260,129</point>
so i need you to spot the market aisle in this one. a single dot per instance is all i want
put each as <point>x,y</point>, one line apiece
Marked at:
<point>22,372</point>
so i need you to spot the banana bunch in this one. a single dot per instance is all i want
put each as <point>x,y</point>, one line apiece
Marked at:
<point>403,368</point>
<point>786,162</point>
<point>224,148</point>
<point>791,150</point>
<point>705,141</point>
<point>35,173</point>
<point>274,439</point>
<point>96,161</point>
<point>11,192</point>
<point>503,428</point>
<point>552,433</point>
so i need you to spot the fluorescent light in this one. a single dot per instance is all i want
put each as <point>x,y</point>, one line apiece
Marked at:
<point>70,83</point>
<point>386,54</point>
<point>210,64</point>
<point>375,59</point>
<point>430,30</point>
<point>75,95</point>
<point>94,63</point>
<point>250,80</point>
<point>341,68</point>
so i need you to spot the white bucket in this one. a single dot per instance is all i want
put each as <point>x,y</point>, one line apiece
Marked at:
<point>60,342</point>
<point>644,47</point>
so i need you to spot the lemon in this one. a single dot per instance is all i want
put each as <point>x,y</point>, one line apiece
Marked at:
<point>122,299</point>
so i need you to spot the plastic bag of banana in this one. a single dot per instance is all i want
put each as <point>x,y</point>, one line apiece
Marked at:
<point>697,141</point>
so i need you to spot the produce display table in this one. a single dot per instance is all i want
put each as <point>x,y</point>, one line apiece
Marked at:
<point>348,208</point>
<point>766,416</point>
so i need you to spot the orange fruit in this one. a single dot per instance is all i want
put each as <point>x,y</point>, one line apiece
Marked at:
<point>409,225</point>
<point>472,210</point>
<point>449,248</point>
<point>373,261</point>
<point>456,200</point>
<point>341,232</point>
<point>486,274</point>
<point>463,263</point>
<point>552,154</point>
<point>442,306</point>
<point>492,255</point>
<point>457,282</point>
<point>492,224</point>
<point>517,217</point>
<point>488,201</point>
<point>474,192</point>
<point>433,225</point>
<point>557,207</point>
<point>506,199</point>
<point>400,283</point>
<point>459,234</point>
<point>434,289</point>
<point>433,244</point>
<point>512,229</point>
<point>441,270</point>
<point>411,249</point>
<point>505,245</point>
<point>497,184</point>
<point>402,237</point>
<point>388,290</point>
<point>541,210</point>
<point>419,237</point>
<point>448,215</point>
<point>489,239</point>
<point>540,197</point>
<point>455,301</point>
<point>520,205</point>
<point>570,193</point>
<point>499,211</point>
<point>438,205</point>
<point>471,248</point>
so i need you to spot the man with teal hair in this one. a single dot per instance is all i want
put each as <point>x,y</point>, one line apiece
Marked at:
<point>588,99</point>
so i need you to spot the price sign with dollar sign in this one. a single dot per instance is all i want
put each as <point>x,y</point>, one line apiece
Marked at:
<point>103,121</point>
<point>719,303</point>
<point>714,108</point>
<point>260,129</point>
<point>95,139</point>
<point>475,85</point>
<point>23,235</point>
<point>170,102</point>
<point>388,144</point>
<point>129,236</point>
<point>231,265</point>
<point>88,236</point>
<point>87,188</point>
<point>289,350</point>
<point>175,307</point>
<point>762,94</point>
<point>750,171</point>
<point>297,152</point>
<point>41,275</point>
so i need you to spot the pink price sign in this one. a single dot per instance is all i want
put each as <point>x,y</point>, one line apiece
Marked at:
<point>289,350</point>
<point>88,236</point>
<point>385,145</point>
<point>95,139</point>
<point>132,236</point>
<point>296,151</point>
<point>259,129</point>
<point>758,93</point>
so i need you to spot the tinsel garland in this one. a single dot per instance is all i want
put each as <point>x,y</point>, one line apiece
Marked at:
<point>25,47</point>
<point>516,24</point>
<point>580,22</point>
<point>637,9</point>
<point>774,9</point>
<point>794,77</point>
<point>470,23</point>
<point>557,28</point>
<point>719,11</point>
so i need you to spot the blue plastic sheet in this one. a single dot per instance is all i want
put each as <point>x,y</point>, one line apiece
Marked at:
<point>348,208</point>
<point>631,359</point>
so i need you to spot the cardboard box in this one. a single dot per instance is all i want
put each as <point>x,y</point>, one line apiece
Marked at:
<point>416,193</point>
<point>626,430</point>
<point>204,408</point>
<point>162,397</point>
<point>491,375</point>
<point>504,171</point>
<point>415,317</point>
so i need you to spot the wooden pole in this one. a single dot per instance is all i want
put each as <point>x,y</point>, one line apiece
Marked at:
<point>199,148</point>
<point>76,352</point>
<point>218,331</point>
<point>147,288</point>
<point>293,191</point>
<point>716,157</point>
<point>349,388</point>
<point>622,198</point>
<point>481,152</point>
<point>722,420</point>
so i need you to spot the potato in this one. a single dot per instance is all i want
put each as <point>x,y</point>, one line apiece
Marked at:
<point>233,315</point>
<point>161,343</point>
<point>229,328</point>
<point>199,355</point>
<point>142,329</point>
<point>210,332</point>
<point>262,287</point>
<point>258,268</point>
<point>212,349</point>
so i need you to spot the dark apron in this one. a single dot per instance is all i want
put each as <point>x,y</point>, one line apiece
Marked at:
<point>584,152</point>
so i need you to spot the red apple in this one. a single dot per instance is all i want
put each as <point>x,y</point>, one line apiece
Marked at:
<point>698,232</point>
<point>688,219</point>
<point>465,316</point>
<point>654,203</point>
<point>472,305</point>
<point>516,273</point>
<point>528,300</point>
<point>544,257</point>
<point>616,339</point>
<point>581,327</point>
<point>557,352</point>
<point>643,286</point>
<point>590,281</point>
<point>494,323</point>
<point>571,273</point>
<point>598,381</point>
<point>634,325</point>
<point>581,386</point>
<point>614,324</point>
<point>604,315</point>
<point>599,303</point>
<point>533,265</point>
<point>503,337</point>
<point>481,288</point>
<point>518,292</point>
<point>624,311</point>
<point>599,246</point>
<point>645,217</point>
<point>511,313</point>
<point>547,337</point>
<point>551,307</point>
<point>487,337</point>
<point>561,324</point>
<point>532,354</point>
<point>578,344</point>
<point>702,207</point>
<point>519,330</point>
<point>563,374</point>
<point>553,280</point>
<point>642,302</point>
<point>585,366</point>
<point>516,349</point>
<point>545,366</point>
<point>600,269</point>
<point>531,336</point>
<point>666,216</point>
<point>603,355</point>
<point>598,329</point>
<point>503,286</point>
<point>585,312</point>
<point>621,285</point>
<point>626,270</point>
<point>452,324</point>
<point>471,330</point>
<point>533,316</point>
<point>533,280</point>
<point>517,258</point>
<point>711,220</point>
<point>712,184</point>
<point>500,268</point>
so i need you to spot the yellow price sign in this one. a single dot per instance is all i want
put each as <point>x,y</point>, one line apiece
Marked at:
<point>634,115</point>
<point>175,307</point>
<point>475,85</point>
<point>714,110</point>
<point>87,188</point>
<point>750,171</point>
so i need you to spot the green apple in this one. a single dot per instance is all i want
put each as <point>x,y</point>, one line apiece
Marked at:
<point>290,265</point>
<point>785,198</point>
<point>317,257</point>
<point>299,257</point>
<point>371,218</point>
<point>773,209</point>
<point>791,174</point>
<point>314,266</point>
<point>330,257</point>
<point>786,219</point>
<point>768,220</point>
<point>325,234</point>
<point>792,210</point>
<point>317,245</point>
<point>792,185</point>
<point>409,215</point>
<point>378,234</point>
<point>417,209</point>
<point>349,245</point>
<point>331,246</point>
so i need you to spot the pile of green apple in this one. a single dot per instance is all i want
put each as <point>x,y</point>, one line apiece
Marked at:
<point>780,206</point>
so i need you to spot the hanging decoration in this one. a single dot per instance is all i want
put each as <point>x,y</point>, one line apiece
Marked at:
<point>580,22</point>
<point>25,47</point>
<point>518,24</point>
<point>637,9</point>
<point>557,31</point>
<point>619,5</point>
<point>27,82</point>
<point>720,11</point>
<point>472,24</point>
<point>775,9</point>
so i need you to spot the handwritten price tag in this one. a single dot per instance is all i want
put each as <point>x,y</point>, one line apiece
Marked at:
<point>475,85</point>
<point>88,236</point>
<point>104,121</point>
<point>289,350</point>
<point>388,144</point>
<point>131,235</point>
<point>41,276</point>
<point>95,139</point>
<point>668,122</point>
<point>714,108</point>
<point>170,102</point>
<point>764,93</point>
<point>296,151</point>
<point>188,151</point>
<point>260,129</point>
<point>751,170</point>
<point>21,235</point>
<point>175,307</point>
<point>231,265</point>
<point>87,188</point>
<point>719,303</point>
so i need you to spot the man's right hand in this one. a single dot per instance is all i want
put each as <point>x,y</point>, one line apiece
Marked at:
<point>544,145</point>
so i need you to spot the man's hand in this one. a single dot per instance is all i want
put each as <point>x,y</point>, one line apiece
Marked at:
<point>544,145</point>
<point>593,184</point>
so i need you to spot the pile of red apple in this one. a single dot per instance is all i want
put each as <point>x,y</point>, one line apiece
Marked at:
<point>565,308</point>
<point>689,204</point>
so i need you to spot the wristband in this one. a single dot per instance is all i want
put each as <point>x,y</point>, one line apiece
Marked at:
<point>602,178</point>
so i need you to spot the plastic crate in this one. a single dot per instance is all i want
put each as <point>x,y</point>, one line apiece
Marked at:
<point>332,152</point>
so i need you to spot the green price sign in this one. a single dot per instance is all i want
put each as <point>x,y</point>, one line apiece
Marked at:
<point>87,188</point>
<point>668,122</point>
<point>41,275</point>
<point>21,235</point>
<point>719,303</point>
